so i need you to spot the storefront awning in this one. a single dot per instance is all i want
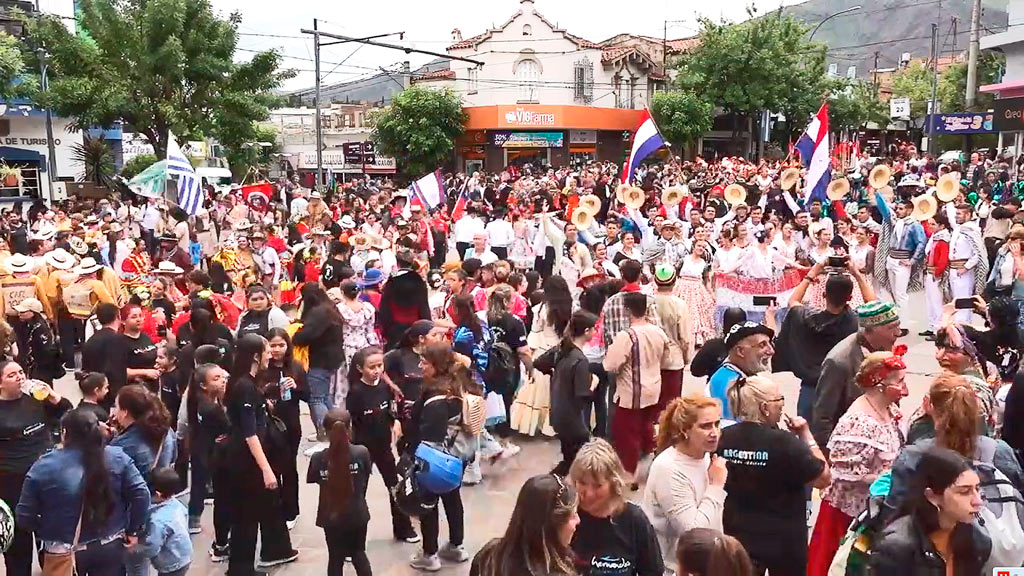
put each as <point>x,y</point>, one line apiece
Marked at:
<point>541,117</point>
<point>9,154</point>
<point>1005,89</point>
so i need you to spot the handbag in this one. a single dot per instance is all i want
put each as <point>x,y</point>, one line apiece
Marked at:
<point>496,413</point>
<point>63,564</point>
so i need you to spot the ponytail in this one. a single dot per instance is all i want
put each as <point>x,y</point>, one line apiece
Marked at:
<point>956,414</point>
<point>82,432</point>
<point>338,491</point>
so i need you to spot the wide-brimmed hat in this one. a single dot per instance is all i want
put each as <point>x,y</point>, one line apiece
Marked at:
<point>168,237</point>
<point>371,277</point>
<point>60,259</point>
<point>242,226</point>
<point>167,267</point>
<point>380,243</point>
<point>587,275</point>
<point>19,263</point>
<point>360,241</point>
<point>347,221</point>
<point>29,305</point>
<point>78,245</point>
<point>87,266</point>
<point>45,233</point>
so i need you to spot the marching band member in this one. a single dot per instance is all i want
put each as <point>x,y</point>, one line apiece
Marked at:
<point>21,284</point>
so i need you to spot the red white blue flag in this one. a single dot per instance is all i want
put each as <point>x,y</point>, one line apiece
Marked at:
<point>646,140</point>
<point>814,154</point>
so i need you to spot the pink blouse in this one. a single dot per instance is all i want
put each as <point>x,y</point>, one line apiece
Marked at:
<point>860,446</point>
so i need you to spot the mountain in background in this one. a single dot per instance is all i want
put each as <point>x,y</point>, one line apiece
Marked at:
<point>894,27</point>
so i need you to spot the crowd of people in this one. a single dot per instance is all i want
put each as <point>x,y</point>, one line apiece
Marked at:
<point>427,342</point>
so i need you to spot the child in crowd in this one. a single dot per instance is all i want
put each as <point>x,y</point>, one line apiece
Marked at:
<point>167,542</point>
<point>94,389</point>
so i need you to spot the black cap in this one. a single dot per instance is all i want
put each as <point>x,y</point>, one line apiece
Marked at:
<point>743,329</point>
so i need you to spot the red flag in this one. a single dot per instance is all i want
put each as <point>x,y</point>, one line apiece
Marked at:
<point>256,192</point>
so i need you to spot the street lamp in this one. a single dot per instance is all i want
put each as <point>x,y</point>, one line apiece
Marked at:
<point>831,16</point>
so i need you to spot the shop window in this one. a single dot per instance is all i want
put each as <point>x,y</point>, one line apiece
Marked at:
<point>583,81</point>
<point>528,77</point>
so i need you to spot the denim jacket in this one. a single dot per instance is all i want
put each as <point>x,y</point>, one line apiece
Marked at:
<point>51,499</point>
<point>135,446</point>
<point>167,541</point>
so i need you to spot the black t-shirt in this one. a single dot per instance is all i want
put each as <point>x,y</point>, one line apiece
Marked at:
<point>371,411</point>
<point>357,514</point>
<point>246,408</point>
<point>101,412</point>
<point>402,365</point>
<point>211,423</point>
<point>166,305</point>
<point>999,349</point>
<point>141,354</point>
<point>570,390</point>
<point>769,470</point>
<point>510,330</point>
<point>330,273</point>
<point>25,425</point>
<point>620,545</point>
<point>107,352</point>
<point>253,322</point>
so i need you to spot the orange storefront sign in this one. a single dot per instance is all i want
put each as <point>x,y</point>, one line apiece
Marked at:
<point>534,116</point>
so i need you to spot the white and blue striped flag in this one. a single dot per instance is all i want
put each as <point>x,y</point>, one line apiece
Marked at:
<point>190,193</point>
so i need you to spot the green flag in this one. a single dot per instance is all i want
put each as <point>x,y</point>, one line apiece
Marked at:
<point>151,182</point>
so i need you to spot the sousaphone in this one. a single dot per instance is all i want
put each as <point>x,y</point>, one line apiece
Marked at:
<point>880,176</point>
<point>789,179</point>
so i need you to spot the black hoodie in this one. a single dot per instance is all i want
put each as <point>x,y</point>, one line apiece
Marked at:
<point>403,301</point>
<point>808,334</point>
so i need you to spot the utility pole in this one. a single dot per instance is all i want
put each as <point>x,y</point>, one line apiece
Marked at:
<point>874,74</point>
<point>316,98</point>
<point>972,55</point>
<point>935,85</point>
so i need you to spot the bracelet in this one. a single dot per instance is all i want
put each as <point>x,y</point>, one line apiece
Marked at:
<point>812,444</point>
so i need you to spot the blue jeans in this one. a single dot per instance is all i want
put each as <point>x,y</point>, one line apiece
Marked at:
<point>805,402</point>
<point>320,399</point>
<point>197,495</point>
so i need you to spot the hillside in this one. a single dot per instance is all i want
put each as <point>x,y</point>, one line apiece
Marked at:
<point>893,27</point>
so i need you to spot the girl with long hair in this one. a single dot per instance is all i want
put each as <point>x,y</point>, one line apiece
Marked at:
<point>372,403</point>
<point>94,519</point>
<point>708,552</point>
<point>531,411</point>
<point>571,387</point>
<point>207,421</point>
<point>539,533</point>
<point>439,406</point>
<point>342,471</point>
<point>255,451</point>
<point>933,534</point>
<point>321,332</point>
<point>142,353</point>
<point>145,428</point>
<point>285,384</point>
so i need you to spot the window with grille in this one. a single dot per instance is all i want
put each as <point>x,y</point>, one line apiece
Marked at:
<point>474,80</point>
<point>584,81</point>
<point>528,77</point>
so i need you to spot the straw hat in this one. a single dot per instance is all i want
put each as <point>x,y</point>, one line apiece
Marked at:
<point>880,176</point>
<point>588,274</point>
<point>591,203</point>
<point>734,194</point>
<point>347,222</point>
<point>837,189</point>
<point>46,232</point>
<point>19,263</point>
<point>634,197</point>
<point>78,246</point>
<point>789,179</point>
<point>59,259</point>
<point>673,195</point>
<point>947,188</point>
<point>925,206</point>
<point>87,266</point>
<point>359,241</point>
<point>167,267</point>
<point>582,219</point>
<point>380,243</point>
<point>620,192</point>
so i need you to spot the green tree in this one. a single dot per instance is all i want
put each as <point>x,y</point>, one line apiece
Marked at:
<point>681,116</point>
<point>96,158</point>
<point>952,91</point>
<point>253,155</point>
<point>914,82</point>
<point>854,103</point>
<point>764,63</point>
<point>13,80</point>
<point>158,65</point>
<point>419,128</point>
<point>136,165</point>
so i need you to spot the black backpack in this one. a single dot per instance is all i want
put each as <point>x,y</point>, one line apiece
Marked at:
<point>502,363</point>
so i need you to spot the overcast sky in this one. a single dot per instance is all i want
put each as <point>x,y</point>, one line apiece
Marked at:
<point>428,26</point>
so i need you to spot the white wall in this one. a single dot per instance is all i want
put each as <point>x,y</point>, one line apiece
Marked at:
<point>30,134</point>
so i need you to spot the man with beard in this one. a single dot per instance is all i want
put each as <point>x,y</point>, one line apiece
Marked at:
<point>968,260</point>
<point>750,351</point>
<point>403,300</point>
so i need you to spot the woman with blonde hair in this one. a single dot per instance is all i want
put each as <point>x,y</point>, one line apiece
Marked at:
<point>864,443</point>
<point>686,486</point>
<point>770,470</point>
<point>952,403</point>
<point>612,532</point>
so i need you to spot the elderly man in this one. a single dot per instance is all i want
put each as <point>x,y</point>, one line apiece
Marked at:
<point>836,390</point>
<point>480,251</point>
<point>750,350</point>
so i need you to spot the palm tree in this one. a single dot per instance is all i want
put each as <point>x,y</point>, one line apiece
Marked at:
<point>97,160</point>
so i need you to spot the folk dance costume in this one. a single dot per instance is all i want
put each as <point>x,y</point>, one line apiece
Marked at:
<point>135,270</point>
<point>904,241</point>
<point>936,280</point>
<point>968,262</point>
<point>701,302</point>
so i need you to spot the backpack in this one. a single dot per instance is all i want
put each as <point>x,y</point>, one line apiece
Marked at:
<point>502,363</point>
<point>999,520</point>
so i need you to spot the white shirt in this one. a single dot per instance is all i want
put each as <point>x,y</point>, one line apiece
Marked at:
<point>487,257</point>
<point>181,231</point>
<point>150,217</point>
<point>466,227</point>
<point>500,233</point>
<point>268,263</point>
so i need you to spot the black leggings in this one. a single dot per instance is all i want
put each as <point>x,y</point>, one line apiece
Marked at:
<point>384,459</point>
<point>430,523</point>
<point>346,542</point>
<point>18,558</point>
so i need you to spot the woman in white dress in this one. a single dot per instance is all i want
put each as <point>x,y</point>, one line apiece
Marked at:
<point>729,256</point>
<point>760,258</point>
<point>787,248</point>
<point>693,289</point>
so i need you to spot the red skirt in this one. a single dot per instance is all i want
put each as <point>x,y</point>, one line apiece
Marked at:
<point>828,531</point>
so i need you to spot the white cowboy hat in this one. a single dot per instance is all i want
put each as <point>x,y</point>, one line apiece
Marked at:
<point>87,266</point>
<point>45,233</point>
<point>19,263</point>
<point>78,246</point>
<point>167,267</point>
<point>346,221</point>
<point>60,259</point>
<point>29,305</point>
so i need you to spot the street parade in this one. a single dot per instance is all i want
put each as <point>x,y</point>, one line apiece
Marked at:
<point>654,334</point>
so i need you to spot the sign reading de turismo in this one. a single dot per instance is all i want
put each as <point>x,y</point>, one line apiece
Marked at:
<point>1008,115</point>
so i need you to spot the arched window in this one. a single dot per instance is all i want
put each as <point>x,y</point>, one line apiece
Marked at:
<point>528,76</point>
<point>527,30</point>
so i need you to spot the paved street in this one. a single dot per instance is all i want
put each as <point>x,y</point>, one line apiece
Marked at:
<point>488,505</point>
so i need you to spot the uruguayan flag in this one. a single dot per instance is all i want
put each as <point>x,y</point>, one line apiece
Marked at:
<point>190,193</point>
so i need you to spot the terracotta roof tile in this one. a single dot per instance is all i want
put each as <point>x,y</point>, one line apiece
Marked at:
<point>469,42</point>
<point>433,75</point>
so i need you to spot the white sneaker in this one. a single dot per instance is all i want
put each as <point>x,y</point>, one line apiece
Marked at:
<point>472,474</point>
<point>426,563</point>
<point>510,450</point>
<point>314,449</point>
<point>454,553</point>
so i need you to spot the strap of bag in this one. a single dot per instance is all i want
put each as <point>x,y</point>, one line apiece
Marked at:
<point>156,459</point>
<point>635,360</point>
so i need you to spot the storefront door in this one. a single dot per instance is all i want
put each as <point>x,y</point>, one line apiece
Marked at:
<point>521,156</point>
